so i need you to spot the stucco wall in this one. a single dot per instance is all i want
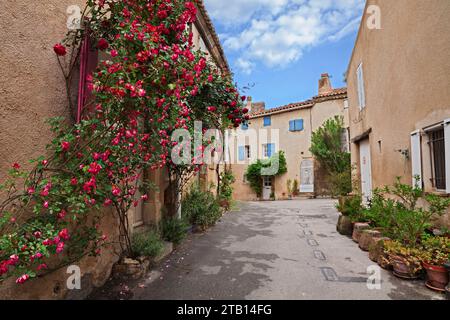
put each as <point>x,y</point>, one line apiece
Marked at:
<point>32,89</point>
<point>406,73</point>
<point>296,145</point>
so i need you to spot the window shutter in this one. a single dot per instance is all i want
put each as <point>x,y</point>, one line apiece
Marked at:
<point>271,149</point>
<point>292,125</point>
<point>299,125</point>
<point>241,153</point>
<point>447,153</point>
<point>361,92</point>
<point>88,63</point>
<point>267,121</point>
<point>416,159</point>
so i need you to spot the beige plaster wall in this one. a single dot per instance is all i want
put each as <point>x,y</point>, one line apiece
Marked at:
<point>296,145</point>
<point>32,89</point>
<point>406,72</point>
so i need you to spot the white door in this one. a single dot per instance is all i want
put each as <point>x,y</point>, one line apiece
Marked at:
<point>366,170</point>
<point>307,176</point>
<point>267,188</point>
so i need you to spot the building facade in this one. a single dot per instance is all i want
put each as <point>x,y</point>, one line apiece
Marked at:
<point>399,97</point>
<point>288,129</point>
<point>32,89</point>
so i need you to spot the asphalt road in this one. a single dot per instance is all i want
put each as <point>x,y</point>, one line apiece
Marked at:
<point>272,250</point>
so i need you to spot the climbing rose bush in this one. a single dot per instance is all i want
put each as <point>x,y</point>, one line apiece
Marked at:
<point>151,83</point>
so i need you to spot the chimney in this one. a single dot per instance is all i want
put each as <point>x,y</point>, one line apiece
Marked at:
<point>258,107</point>
<point>325,84</point>
<point>249,104</point>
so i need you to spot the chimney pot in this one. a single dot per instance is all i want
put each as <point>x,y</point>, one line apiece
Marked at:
<point>325,84</point>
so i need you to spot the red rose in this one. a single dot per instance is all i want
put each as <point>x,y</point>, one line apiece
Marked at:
<point>103,44</point>
<point>65,145</point>
<point>60,50</point>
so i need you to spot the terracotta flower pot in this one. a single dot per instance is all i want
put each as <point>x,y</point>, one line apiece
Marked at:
<point>344,226</point>
<point>366,239</point>
<point>358,228</point>
<point>447,289</point>
<point>404,270</point>
<point>437,277</point>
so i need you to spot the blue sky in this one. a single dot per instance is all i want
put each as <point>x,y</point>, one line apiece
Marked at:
<point>281,47</point>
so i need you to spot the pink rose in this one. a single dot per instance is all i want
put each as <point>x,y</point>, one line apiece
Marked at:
<point>22,279</point>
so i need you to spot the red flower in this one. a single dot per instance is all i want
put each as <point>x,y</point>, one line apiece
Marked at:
<point>31,190</point>
<point>60,247</point>
<point>62,214</point>
<point>103,44</point>
<point>212,109</point>
<point>42,267</point>
<point>13,260</point>
<point>64,234</point>
<point>116,191</point>
<point>60,50</point>
<point>65,146</point>
<point>245,110</point>
<point>94,168</point>
<point>16,166</point>
<point>74,181</point>
<point>22,279</point>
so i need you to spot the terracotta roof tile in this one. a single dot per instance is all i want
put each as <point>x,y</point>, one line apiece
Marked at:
<point>335,94</point>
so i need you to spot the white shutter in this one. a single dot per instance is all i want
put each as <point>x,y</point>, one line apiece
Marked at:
<point>447,153</point>
<point>361,92</point>
<point>416,158</point>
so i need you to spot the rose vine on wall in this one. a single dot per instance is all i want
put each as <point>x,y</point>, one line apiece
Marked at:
<point>152,82</point>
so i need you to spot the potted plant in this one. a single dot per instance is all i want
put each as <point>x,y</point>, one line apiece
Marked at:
<point>350,207</point>
<point>295,189</point>
<point>289,188</point>
<point>447,289</point>
<point>406,261</point>
<point>435,253</point>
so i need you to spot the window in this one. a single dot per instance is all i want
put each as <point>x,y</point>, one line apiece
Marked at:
<point>241,154</point>
<point>360,86</point>
<point>267,121</point>
<point>268,150</point>
<point>437,148</point>
<point>296,125</point>
<point>247,152</point>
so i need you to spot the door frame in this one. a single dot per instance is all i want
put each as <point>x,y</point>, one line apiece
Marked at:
<point>365,164</point>
<point>264,195</point>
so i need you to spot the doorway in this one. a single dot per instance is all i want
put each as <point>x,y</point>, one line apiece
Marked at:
<point>366,170</point>
<point>307,176</point>
<point>267,187</point>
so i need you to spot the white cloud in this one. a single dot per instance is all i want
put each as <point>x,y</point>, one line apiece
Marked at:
<point>277,32</point>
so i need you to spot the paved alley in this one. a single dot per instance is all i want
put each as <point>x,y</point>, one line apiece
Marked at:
<point>273,250</point>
